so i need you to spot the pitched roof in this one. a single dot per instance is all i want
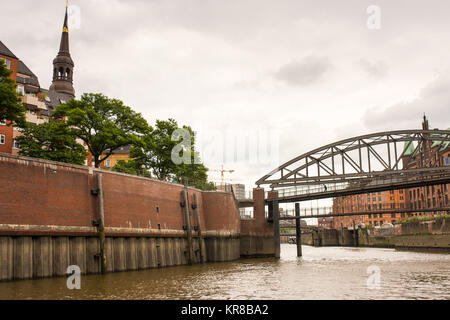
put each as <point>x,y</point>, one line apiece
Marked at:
<point>443,144</point>
<point>56,98</point>
<point>23,69</point>
<point>122,150</point>
<point>408,148</point>
<point>5,51</point>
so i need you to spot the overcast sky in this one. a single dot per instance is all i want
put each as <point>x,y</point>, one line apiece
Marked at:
<point>307,72</point>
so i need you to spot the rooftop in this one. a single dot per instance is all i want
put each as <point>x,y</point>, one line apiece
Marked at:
<point>5,51</point>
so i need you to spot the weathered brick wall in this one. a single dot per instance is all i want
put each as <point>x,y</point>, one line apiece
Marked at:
<point>132,202</point>
<point>258,225</point>
<point>220,212</point>
<point>44,193</point>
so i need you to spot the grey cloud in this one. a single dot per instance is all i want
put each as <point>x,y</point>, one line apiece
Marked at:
<point>433,100</point>
<point>376,69</point>
<point>305,72</point>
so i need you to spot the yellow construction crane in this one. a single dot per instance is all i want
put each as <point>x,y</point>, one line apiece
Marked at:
<point>222,171</point>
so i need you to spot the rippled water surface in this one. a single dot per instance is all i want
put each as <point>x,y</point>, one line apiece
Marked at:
<point>322,273</point>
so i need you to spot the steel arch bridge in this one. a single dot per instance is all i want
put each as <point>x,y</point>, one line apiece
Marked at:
<point>372,162</point>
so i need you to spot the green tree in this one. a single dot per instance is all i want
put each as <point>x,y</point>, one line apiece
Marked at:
<point>130,167</point>
<point>103,124</point>
<point>194,174</point>
<point>154,153</point>
<point>11,107</point>
<point>51,141</point>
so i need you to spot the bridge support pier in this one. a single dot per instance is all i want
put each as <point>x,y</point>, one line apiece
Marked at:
<point>298,233</point>
<point>355,235</point>
<point>275,213</point>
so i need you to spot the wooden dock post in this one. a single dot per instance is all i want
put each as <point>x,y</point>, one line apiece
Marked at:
<point>199,228</point>
<point>298,232</point>
<point>187,220</point>
<point>276,227</point>
<point>101,224</point>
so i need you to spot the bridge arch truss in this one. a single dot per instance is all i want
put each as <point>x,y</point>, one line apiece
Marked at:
<point>371,159</point>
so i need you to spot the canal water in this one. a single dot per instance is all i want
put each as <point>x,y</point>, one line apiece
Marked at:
<point>322,273</point>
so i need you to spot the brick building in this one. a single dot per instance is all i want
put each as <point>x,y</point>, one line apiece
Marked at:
<point>434,152</point>
<point>326,223</point>
<point>39,102</point>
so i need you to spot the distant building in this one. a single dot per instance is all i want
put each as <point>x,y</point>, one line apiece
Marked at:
<point>33,99</point>
<point>434,153</point>
<point>326,223</point>
<point>122,153</point>
<point>238,189</point>
<point>39,102</point>
<point>239,192</point>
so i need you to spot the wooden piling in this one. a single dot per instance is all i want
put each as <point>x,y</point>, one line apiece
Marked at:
<point>276,227</point>
<point>101,224</point>
<point>187,221</point>
<point>199,228</point>
<point>298,233</point>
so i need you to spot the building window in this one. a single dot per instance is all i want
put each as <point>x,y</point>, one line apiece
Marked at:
<point>108,163</point>
<point>392,215</point>
<point>15,144</point>
<point>447,161</point>
<point>2,139</point>
<point>7,62</point>
<point>3,122</point>
<point>20,90</point>
<point>157,209</point>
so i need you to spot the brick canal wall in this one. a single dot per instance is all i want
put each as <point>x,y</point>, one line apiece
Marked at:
<point>47,211</point>
<point>427,235</point>
<point>257,235</point>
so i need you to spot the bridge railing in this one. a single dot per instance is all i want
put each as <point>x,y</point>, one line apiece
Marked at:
<point>352,185</point>
<point>362,209</point>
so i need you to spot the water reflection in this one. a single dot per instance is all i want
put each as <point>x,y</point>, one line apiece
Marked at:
<point>322,273</point>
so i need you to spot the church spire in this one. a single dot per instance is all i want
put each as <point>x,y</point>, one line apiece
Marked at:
<point>63,64</point>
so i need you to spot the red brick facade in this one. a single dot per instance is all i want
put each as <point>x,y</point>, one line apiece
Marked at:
<point>43,193</point>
